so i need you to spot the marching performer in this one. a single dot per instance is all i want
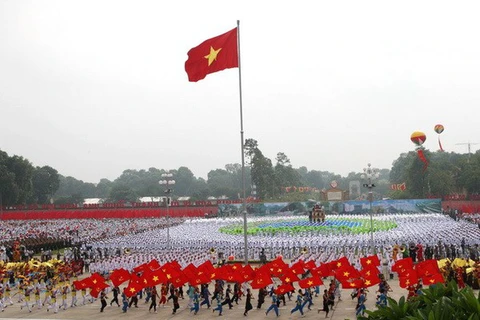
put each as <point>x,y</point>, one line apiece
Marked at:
<point>53,301</point>
<point>38,300</point>
<point>64,297</point>
<point>74,297</point>
<point>27,291</point>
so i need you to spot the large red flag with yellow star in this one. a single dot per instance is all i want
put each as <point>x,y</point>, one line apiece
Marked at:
<point>212,55</point>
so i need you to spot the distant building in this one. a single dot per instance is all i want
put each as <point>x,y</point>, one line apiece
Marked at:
<point>151,199</point>
<point>93,201</point>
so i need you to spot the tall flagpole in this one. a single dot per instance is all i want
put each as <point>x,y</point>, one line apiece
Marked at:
<point>244,203</point>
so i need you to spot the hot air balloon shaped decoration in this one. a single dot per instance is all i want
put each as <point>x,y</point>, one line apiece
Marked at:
<point>418,138</point>
<point>439,129</point>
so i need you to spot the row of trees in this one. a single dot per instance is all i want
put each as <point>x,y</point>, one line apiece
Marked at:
<point>21,182</point>
<point>447,173</point>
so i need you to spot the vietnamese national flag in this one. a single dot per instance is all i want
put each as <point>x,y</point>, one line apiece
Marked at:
<point>96,289</point>
<point>340,263</point>
<point>119,276</point>
<point>408,279</point>
<point>95,279</point>
<point>370,261</point>
<point>212,55</point>
<point>310,282</point>
<point>310,265</point>
<point>153,278</point>
<point>289,277</point>
<point>346,272</point>
<point>369,272</point>
<point>298,268</point>
<point>132,289</point>
<point>352,284</point>
<point>371,280</point>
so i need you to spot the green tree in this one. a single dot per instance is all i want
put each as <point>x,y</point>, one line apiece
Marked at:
<point>103,188</point>
<point>45,183</point>
<point>285,175</point>
<point>22,169</point>
<point>122,192</point>
<point>261,170</point>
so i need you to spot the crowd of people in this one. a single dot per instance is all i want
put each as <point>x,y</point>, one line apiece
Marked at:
<point>100,246</point>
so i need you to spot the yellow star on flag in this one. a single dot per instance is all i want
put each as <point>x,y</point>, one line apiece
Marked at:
<point>279,270</point>
<point>339,264</point>
<point>212,276</point>
<point>94,281</point>
<point>169,276</point>
<point>287,280</point>
<point>352,284</point>
<point>155,278</point>
<point>346,274</point>
<point>145,281</point>
<point>212,56</point>
<point>132,290</point>
<point>431,281</point>
<point>367,283</point>
<point>369,261</point>
<point>367,273</point>
<point>407,282</point>
<point>310,282</point>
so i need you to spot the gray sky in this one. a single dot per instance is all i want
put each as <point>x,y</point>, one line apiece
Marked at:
<point>95,87</point>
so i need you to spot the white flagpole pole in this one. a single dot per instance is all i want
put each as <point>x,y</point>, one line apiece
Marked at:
<point>244,203</point>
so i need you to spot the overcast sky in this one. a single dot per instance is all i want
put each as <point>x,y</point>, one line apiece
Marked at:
<point>95,87</point>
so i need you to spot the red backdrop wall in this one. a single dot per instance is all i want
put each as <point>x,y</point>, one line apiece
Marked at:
<point>468,206</point>
<point>107,213</point>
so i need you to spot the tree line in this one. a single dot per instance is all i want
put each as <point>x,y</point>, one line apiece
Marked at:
<point>23,183</point>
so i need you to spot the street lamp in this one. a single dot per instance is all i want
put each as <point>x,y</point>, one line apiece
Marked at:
<point>369,175</point>
<point>167,181</point>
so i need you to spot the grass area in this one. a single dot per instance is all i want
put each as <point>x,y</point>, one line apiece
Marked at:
<point>340,225</point>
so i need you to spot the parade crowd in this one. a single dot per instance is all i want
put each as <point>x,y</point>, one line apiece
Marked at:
<point>131,261</point>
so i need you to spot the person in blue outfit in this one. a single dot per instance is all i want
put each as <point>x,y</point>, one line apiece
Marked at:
<point>360,309</point>
<point>299,303</point>
<point>274,305</point>
<point>219,307</point>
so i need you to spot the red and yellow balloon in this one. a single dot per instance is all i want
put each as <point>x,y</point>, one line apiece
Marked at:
<point>439,129</point>
<point>419,138</point>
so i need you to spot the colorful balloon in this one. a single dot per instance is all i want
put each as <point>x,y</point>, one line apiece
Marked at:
<point>418,138</point>
<point>438,128</point>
